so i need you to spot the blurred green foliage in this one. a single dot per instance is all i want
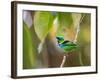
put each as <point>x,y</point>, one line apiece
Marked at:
<point>43,21</point>
<point>42,28</point>
<point>28,56</point>
<point>64,20</point>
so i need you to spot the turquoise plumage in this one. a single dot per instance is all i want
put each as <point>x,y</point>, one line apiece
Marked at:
<point>65,44</point>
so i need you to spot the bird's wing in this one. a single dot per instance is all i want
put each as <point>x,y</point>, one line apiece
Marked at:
<point>65,42</point>
<point>68,43</point>
<point>68,47</point>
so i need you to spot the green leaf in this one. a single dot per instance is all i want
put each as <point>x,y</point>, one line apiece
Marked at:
<point>43,21</point>
<point>68,24</point>
<point>28,56</point>
<point>65,19</point>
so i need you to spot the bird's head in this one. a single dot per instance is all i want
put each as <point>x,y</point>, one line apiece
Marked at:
<point>60,39</point>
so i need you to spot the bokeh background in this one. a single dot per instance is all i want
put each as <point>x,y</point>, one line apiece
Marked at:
<point>40,29</point>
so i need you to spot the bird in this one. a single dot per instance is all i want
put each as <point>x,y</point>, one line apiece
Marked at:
<point>66,45</point>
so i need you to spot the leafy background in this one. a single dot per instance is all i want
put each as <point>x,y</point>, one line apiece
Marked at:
<point>40,29</point>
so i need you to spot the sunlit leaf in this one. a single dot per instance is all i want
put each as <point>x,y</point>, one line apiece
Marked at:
<point>65,22</point>
<point>28,57</point>
<point>65,19</point>
<point>68,24</point>
<point>43,21</point>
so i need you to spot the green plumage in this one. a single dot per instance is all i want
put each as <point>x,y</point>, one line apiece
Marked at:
<point>65,44</point>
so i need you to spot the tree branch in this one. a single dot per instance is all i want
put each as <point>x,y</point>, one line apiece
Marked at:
<point>63,61</point>
<point>75,40</point>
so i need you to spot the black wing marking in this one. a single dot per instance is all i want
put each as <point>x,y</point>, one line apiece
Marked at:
<point>65,42</point>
